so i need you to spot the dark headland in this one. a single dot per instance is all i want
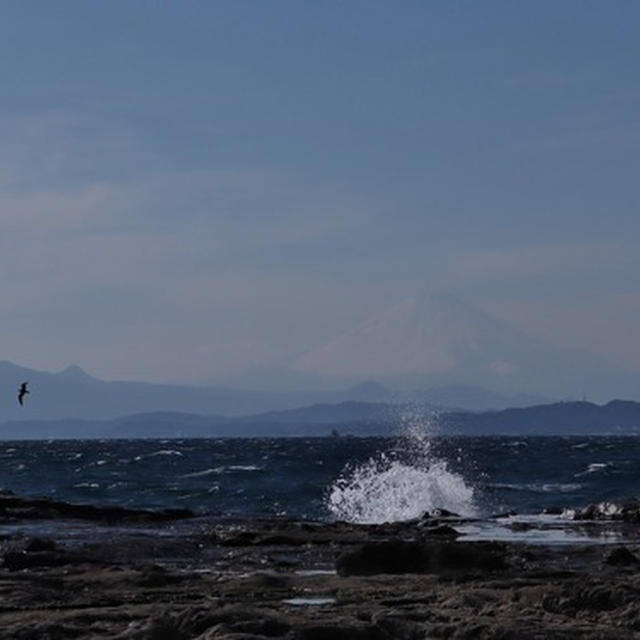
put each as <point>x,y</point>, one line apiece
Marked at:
<point>143,576</point>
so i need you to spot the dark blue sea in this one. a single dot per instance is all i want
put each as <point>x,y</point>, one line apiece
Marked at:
<point>347,478</point>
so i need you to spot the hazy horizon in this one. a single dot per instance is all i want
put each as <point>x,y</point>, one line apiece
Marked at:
<point>192,192</point>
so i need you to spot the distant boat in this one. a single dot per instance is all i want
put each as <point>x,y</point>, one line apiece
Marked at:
<point>335,433</point>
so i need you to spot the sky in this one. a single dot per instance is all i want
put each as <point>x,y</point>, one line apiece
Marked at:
<point>190,189</point>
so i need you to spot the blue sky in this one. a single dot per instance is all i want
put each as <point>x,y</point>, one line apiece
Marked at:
<point>192,188</point>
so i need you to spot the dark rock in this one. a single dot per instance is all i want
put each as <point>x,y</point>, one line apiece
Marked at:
<point>155,577</point>
<point>161,628</point>
<point>398,557</point>
<point>337,630</point>
<point>443,513</point>
<point>589,597</point>
<point>505,514</point>
<point>231,620</point>
<point>269,580</point>
<point>241,539</point>
<point>600,598</point>
<point>553,511</point>
<point>285,560</point>
<point>195,621</point>
<point>384,557</point>
<point>17,560</point>
<point>284,540</point>
<point>443,530</point>
<point>621,557</point>
<point>521,526</point>
<point>453,556</point>
<point>16,508</point>
<point>40,544</point>
<point>396,625</point>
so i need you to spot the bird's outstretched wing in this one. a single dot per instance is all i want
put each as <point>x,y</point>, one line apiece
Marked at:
<point>22,391</point>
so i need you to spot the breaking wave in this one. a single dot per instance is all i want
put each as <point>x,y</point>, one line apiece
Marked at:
<point>402,484</point>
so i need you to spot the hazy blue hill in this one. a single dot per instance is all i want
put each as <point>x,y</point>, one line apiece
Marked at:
<point>330,413</point>
<point>73,404</point>
<point>349,418</point>
<point>469,398</point>
<point>559,418</point>
<point>72,393</point>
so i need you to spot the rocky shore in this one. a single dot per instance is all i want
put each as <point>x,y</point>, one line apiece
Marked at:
<point>146,577</point>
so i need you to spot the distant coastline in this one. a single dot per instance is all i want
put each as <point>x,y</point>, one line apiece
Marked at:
<point>359,419</point>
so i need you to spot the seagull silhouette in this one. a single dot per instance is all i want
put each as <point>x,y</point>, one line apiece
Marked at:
<point>22,392</point>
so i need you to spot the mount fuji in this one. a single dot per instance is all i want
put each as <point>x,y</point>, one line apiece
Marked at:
<point>440,340</point>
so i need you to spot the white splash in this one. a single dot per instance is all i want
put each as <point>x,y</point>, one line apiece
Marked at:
<point>391,488</point>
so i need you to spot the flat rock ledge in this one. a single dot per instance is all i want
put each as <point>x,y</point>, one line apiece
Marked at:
<point>15,508</point>
<point>294,580</point>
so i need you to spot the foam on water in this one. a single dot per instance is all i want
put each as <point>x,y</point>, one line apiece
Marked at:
<point>594,467</point>
<point>549,487</point>
<point>232,468</point>
<point>402,484</point>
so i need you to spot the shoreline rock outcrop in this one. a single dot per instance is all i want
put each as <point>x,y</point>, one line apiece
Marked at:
<point>297,580</point>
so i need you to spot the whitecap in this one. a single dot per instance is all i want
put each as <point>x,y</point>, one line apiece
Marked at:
<point>222,469</point>
<point>162,452</point>
<point>536,487</point>
<point>508,486</point>
<point>204,472</point>
<point>567,487</point>
<point>594,467</point>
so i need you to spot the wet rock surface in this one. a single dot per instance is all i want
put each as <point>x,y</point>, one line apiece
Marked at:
<point>396,556</point>
<point>292,580</point>
<point>16,508</point>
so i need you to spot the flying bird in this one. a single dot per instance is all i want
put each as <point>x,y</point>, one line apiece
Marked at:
<point>22,392</point>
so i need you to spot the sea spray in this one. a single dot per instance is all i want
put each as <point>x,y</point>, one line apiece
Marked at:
<point>401,484</point>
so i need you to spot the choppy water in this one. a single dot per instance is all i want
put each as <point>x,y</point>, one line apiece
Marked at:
<point>357,479</point>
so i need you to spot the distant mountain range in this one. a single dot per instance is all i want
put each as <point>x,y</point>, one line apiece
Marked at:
<point>347,418</point>
<point>435,352</point>
<point>72,393</point>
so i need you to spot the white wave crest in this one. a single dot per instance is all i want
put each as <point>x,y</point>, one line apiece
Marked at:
<point>222,469</point>
<point>594,467</point>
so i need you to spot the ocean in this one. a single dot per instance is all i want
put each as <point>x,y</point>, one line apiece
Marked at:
<point>363,480</point>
